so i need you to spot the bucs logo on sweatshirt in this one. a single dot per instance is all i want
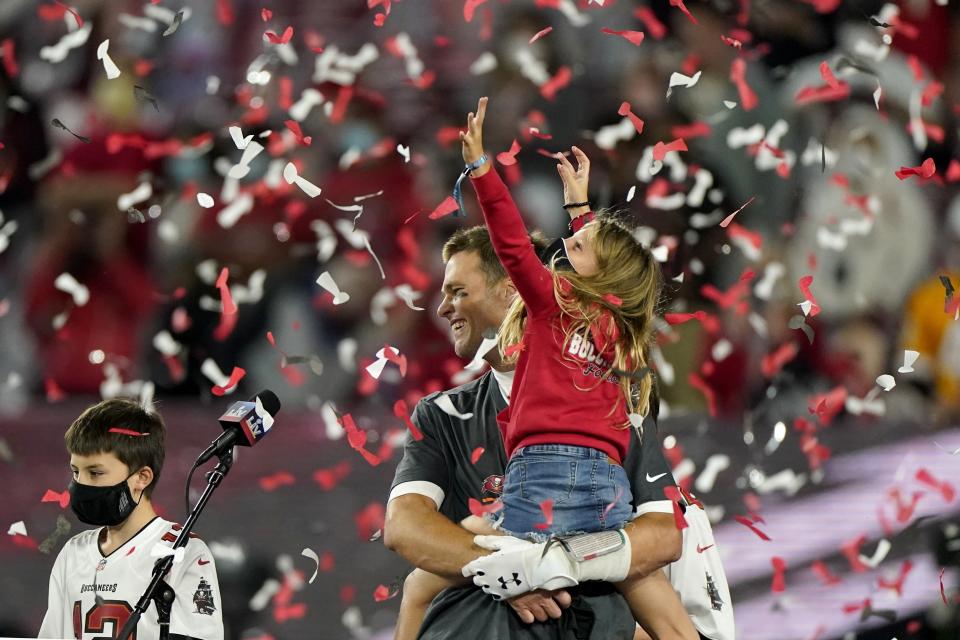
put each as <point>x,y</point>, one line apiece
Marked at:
<point>595,364</point>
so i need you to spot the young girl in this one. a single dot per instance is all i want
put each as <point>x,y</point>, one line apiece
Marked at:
<point>567,428</point>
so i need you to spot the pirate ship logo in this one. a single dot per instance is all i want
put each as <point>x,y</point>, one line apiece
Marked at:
<point>203,598</point>
<point>716,602</point>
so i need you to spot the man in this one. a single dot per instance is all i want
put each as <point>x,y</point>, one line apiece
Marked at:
<point>436,479</point>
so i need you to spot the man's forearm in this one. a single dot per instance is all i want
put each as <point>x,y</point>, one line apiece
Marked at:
<point>655,542</point>
<point>429,540</point>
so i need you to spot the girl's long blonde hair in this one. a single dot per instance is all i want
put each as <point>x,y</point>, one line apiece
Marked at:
<point>627,270</point>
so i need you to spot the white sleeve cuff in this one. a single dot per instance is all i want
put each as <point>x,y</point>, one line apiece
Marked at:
<point>423,488</point>
<point>654,506</point>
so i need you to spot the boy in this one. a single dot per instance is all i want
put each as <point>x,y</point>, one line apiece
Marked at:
<point>116,453</point>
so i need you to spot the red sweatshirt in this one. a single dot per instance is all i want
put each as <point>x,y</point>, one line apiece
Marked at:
<point>547,405</point>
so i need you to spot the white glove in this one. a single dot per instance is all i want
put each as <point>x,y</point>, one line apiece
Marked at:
<point>518,566</point>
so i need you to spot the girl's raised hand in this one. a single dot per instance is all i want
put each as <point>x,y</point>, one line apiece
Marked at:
<point>575,181</point>
<point>472,139</point>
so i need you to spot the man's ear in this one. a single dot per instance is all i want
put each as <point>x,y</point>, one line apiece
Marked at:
<point>508,290</point>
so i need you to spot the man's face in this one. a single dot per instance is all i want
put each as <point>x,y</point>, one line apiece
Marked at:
<point>98,470</point>
<point>469,305</point>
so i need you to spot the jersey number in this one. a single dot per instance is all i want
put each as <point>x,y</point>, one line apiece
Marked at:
<point>115,612</point>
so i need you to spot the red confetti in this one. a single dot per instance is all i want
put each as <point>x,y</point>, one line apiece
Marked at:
<point>71,11</point>
<point>507,158</point>
<point>827,405</point>
<point>478,509</point>
<point>266,15</point>
<point>402,411</point>
<point>475,455</point>
<point>616,499</point>
<point>673,495</point>
<point>650,21</point>
<point>931,92</point>
<point>470,7</point>
<point>540,34</point>
<point>556,83</point>
<point>823,572</point>
<point>897,584</point>
<point>126,432</point>
<point>224,12</point>
<point>772,363</point>
<point>9,58</point>
<point>277,480</point>
<point>227,304</point>
<point>512,349</point>
<point>63,498</point>
<point>925,170</point>
<point>634,37</point>
<point>660,150</point>
<point>804,284</point>
<point>357,439</point>
<point>733,42</point>
<point>235,377</point>
<point>625,110</point>
<point>851,551</point>
<point>698,383</point>
<point>726,221</point>
<point>445,208</point>
<point>692,130</point>
<point>51,12</point>
<point>52,390</point>
<point>749,524</point>
<point>329,478</point>
<point>294,127</point>
<point>680,5</point>
<point>612,299</point>
<point>779,583</point>
<point>383,592</point>
<point>681,318</point>
<point>547,507</point>
<point>281,39</point>
<point>738,75</point>
<point>369,520</point>
<point>945,488</point>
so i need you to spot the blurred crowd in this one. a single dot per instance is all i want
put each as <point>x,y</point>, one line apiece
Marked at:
<point>114,274</point>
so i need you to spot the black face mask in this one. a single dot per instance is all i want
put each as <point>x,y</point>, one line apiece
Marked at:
<point>102,506</point>
<point>559,249</point>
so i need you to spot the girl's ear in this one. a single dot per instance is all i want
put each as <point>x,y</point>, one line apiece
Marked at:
<point>509,291</point>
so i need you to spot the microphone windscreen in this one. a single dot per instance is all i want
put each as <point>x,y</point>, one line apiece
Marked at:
<point>269,400</point>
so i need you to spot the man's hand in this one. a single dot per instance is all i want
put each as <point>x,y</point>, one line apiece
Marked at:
<point>518,566</point>
<point>472,139</point>
<point>540,605</point>
<point>575,181</point>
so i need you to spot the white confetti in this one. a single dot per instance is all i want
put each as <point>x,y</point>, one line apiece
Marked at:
<point>883,548</point>
<point>205,200</point>
<point>264,594</point>
<point>376,367</point>
<point>236,134</point>
<point>310,553</point>
<point>729,104</point>
<point>406,293</point>
<point>58,53</point>
<point>326,281</point>
<point>231,214</point>
<point>108,65</point>
<point>632,192</point>
<point>292,177</point>
<point>212,371</point>
<point>309,99</point>
<point>68,284</point>
<point>165,344</point>
<point>486,63</point>
<point>711,469</point>
<point>161,550</point>
<point>909,357</point>
<point>446,405</point>
<point>404,151</point>
<point>143,192</point>
<point>680,80</point>
<point>721,349</point>
<point>660,253</point>
<point>886,381</point>
<point>242,168</point>
<point>17,529</point>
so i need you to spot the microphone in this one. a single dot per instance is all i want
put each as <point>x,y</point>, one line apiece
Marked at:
<point>244,424</point>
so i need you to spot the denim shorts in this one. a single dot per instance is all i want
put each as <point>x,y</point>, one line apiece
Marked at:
<point>589,492</point>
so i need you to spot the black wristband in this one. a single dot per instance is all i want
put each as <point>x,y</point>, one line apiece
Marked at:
<point>571,205</point>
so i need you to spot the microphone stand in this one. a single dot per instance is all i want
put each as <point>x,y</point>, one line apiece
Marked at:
<point>158,591</point>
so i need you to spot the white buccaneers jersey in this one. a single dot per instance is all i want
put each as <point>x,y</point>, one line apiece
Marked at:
<point>92,595</point>
<point>700,581</point>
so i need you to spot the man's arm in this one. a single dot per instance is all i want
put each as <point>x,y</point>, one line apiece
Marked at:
<point>415,530</point>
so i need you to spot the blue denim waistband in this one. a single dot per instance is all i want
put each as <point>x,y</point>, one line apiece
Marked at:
<point>565,450</point>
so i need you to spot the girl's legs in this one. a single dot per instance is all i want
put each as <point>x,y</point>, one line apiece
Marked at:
<point>421,587</point>
<point>657,608</point>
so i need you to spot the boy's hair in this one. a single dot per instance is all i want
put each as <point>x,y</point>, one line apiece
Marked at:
<point>478,239</point>
<point>91,433</point>
<point>624,322</point>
